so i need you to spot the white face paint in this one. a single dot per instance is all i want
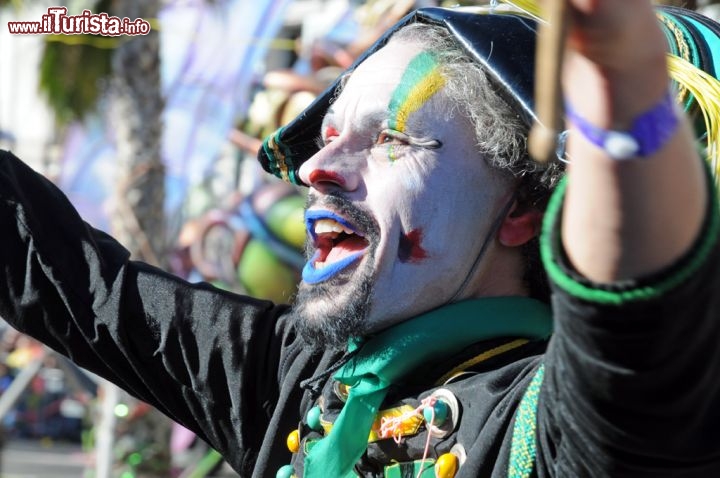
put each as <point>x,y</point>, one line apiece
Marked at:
<point>419,199</point>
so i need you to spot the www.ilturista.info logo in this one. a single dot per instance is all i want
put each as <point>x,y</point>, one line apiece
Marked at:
<point>58,22</point>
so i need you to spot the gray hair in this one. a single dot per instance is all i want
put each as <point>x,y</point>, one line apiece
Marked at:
<point>501,135</point>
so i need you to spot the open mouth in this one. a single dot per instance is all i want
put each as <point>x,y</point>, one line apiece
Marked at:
<point>337,242</point>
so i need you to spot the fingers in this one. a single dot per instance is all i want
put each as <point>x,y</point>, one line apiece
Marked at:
<point>615,62</point>
<point>615,34</point>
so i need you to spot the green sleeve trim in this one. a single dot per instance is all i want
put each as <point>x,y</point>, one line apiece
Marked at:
<point>548,248</point>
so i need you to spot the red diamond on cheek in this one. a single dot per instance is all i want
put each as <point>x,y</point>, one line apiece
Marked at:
<point>410,249</point>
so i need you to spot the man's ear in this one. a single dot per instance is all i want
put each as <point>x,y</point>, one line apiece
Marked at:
<point>520,226</point>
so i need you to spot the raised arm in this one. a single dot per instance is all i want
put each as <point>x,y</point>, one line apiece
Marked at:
<point>631,246</point>
<point>624,219</point>
<point>209,359</point>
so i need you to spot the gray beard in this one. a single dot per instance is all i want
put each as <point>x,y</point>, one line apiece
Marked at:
<point>346,297</point>
<point>333,329</point>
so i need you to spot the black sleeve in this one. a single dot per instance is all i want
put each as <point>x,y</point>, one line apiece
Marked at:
<point>207,358</point>
<point>632,384</point>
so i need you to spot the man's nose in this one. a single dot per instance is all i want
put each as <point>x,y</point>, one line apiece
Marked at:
<point>325,171</point>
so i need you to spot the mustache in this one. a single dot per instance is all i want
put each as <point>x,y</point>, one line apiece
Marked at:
<point>360,217</point>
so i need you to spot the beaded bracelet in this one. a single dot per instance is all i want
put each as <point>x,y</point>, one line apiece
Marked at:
<point>650,131</point>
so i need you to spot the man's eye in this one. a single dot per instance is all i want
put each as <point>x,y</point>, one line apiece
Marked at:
<point>392,137</point>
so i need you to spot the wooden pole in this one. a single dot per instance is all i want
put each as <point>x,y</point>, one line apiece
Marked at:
<point>548,90</point>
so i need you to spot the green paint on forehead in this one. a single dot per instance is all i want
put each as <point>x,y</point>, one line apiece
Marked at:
<point>420,81</point>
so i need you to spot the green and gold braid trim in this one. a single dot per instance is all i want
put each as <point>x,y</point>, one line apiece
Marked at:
<point>279,158</point>
<point>523,447</point>
<point>681,46</point>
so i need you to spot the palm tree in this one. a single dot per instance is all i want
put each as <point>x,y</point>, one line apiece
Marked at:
<point>137,106</point>
<point>138,221</point>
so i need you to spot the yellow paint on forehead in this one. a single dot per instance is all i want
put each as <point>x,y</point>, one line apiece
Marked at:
<point>420,81</point>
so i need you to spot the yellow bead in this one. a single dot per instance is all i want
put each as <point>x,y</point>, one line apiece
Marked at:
<point>446,466</point>
<point>293,441</point>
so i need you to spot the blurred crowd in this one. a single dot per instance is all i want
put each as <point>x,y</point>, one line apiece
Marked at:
<point>53,402</point>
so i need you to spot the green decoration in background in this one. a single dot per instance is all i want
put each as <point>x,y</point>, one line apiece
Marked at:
<point>286,220</point>
<point>264,275</point>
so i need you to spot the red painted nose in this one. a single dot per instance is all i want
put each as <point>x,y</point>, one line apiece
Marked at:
<point>319,176</point>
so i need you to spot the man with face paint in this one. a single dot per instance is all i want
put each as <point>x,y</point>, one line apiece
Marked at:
<point>421,341</point>
<point>388,198</point>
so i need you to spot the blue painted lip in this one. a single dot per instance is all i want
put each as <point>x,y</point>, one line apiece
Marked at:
<point>310,274</point>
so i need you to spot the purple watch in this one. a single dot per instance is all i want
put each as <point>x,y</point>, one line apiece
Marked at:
<point>650,131</point>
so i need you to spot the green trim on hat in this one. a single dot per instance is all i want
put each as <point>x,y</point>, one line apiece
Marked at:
<point>683,46</point>
<point>712,41</point>
<point>669,36</point>
<point>269,147</point>
<point>280,159</point>
<point>271,162</point>
<point>688,38</point>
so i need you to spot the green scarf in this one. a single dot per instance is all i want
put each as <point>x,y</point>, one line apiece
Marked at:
<point>403,348</point>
